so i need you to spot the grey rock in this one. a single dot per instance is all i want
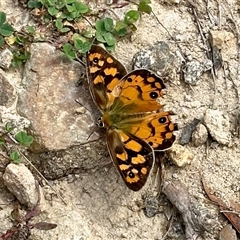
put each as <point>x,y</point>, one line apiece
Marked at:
<point>6,57</point>
<point>200,135</point>
<point>48,99</point>
<point>21,183</point>
<point>218,125</point>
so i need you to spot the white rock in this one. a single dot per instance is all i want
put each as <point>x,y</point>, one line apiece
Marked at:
<point>21,183</point>
<point>200,135</point>
<point>179,155</point>
<point>218,125</point>
<point>6,57</point>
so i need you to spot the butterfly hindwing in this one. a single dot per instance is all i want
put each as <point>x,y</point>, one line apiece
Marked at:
<point>132,157</point>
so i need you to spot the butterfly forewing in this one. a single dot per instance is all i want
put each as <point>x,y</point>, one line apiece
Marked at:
<point>132,157</point>
<point>104,72</point>
<point>138,91</point>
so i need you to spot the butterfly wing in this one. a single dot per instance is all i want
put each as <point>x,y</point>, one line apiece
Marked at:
<point>138,91</point>
<point>104,73</point>
<point>156,129</point>
<point>132,157</point>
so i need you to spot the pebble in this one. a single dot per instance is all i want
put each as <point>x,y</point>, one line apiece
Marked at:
<point>22,184</point>
<point>179,155</point>
<point>6,57</point>
<point>200,135</point>
<point>218,125</point>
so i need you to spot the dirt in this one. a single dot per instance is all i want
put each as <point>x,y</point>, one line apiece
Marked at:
<point>99,206</point>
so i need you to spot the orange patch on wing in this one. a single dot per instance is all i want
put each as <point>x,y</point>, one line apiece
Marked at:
<point>123,156</point>
<point>112,84</point>
<point>150,79</point>
<point>123,167</point>
<point>158,85</point>
<point>142,132</point>
<point>133,145</point>
<point>110,71</point>
<point>135,179</point>
<point>94,55</point>
<point>138,160</point>
<point>109,60</point>
<point>144,171</point>
<point>168,135</point>
<point>98,79</point>
<point>171,127</point>
<point>93,69</point>
<point>124,137</point>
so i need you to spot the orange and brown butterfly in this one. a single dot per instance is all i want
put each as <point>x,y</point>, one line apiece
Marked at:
<point>129,103</point>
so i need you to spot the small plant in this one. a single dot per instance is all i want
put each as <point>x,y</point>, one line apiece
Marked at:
<point>5,28</point>
<point>21,228</point>
<point>69,15</point>
<point>7,138</point>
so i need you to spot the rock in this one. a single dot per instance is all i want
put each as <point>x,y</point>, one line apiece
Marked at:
<point>157,58</point>
<point>48,99</point>
<point>179,155</point>
<point>218,125</point>
<point>6,91</point>
<point>228,233</point>
<point>200,135</point>
<point>194,69</point>
<point>22,184</point>
<point>224,41</point>
<point>6,57</point>
<point>187,131</point>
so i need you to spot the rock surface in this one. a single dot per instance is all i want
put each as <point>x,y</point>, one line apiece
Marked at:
<point>218,125</point>
<point>47,98</point>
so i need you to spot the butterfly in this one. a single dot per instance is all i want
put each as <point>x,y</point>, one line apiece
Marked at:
<point>129,104</point>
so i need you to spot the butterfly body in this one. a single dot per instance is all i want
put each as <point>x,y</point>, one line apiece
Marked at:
<point>129,103</point>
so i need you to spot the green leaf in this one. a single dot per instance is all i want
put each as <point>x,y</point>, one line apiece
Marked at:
<point>64,29</point>
<point>144,7</point>
<point>31,29</point>
<point>9,127</point>
<point>110,39</point>
<point>2,18</point>
<point>78,44</point>
<point>2,141</point>
<point>15,157</point>
<point>131,17</point>
<point>24,139</point>
<point>110,48</point>
<point>1,41</point>
<point>70,8</point>
<point>100,37</point>
<point>108,24</point>
<point>59,24</point>
<point>86,47</point>
<point>67,49</point>
<point>100,26</point>
<point>89,33</point>
<point>51,2</point>
<point>81,8</point>
<point>6,30</point>
<point>121,28</point>
<point>34,4</point>
<point>70,1</point>
<point>52,11</point>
